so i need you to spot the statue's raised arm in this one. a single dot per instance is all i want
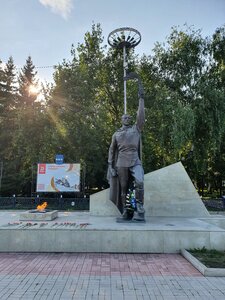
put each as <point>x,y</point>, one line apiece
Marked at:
<point>141,107</point>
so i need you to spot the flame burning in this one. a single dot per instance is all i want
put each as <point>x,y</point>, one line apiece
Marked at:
<point>42,206</point>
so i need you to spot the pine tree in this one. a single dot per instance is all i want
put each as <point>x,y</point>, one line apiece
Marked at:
<point>24,148</point>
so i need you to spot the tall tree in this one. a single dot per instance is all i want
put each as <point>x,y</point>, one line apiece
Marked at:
<point>184,81</point>
<point>27,130</point>
<point>187,107</point>
<point>7,115</point>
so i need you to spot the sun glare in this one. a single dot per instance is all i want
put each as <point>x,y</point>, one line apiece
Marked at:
<point>33,89</point>
<point>36,91</point>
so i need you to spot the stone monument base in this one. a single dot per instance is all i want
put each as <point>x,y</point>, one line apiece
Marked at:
<point>122,220</point>
<point>35,215</point>
<point>81,232</point>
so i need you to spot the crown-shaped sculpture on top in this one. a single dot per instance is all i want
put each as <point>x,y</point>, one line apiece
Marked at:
<point>124,37</point>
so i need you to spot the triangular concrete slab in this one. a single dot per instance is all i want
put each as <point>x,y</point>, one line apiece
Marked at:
<point>100,205</point>
<point>169,192</point>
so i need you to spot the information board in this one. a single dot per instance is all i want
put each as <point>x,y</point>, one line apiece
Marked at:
<point>58,178</point>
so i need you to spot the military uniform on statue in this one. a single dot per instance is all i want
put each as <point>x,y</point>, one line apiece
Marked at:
<point>125,171</point>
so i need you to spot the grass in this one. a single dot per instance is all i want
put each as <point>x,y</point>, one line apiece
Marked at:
<point>210,258</point>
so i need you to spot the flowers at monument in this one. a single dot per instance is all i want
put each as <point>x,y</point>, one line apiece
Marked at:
<point>131,200</point>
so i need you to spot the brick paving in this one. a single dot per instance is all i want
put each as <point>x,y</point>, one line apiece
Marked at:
<point>105,276</point>
<point>95,264</point>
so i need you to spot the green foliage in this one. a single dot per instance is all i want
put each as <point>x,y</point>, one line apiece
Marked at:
<point>210,258</point>
<point>184,82</point>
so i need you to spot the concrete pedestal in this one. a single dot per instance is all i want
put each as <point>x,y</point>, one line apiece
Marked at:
<point>38,216</point>
<point>82,232</point>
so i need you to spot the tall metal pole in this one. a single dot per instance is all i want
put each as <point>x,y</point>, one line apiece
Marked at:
<point>1,171</point>
<point>124,38</point>
<point>125,82</point>
<point>32,180</point>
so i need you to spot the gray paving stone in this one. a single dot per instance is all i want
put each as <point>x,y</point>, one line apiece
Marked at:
<point>48,287</point>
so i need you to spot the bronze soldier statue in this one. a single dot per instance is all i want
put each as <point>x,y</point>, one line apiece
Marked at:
<point>125,166</point>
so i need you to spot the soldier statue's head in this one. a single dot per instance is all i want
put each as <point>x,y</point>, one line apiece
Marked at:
<point>126,120</point>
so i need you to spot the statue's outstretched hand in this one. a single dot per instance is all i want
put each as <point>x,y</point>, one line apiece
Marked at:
<point>133,75</point>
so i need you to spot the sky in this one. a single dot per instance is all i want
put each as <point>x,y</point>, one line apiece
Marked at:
<point>46,29</point>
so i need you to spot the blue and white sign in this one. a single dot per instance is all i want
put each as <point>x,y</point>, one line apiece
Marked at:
<point>59,159</point>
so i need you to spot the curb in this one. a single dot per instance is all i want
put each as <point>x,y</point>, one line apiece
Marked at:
<point>210,272</point>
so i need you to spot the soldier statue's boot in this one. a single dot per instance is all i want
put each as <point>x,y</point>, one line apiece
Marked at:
<point>125,212</point>
<point>139,213</point>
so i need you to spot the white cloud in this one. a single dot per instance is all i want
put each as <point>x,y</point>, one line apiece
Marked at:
<point>61,7</point>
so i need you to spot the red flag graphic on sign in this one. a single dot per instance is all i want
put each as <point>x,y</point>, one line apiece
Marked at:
<point>42,169</point>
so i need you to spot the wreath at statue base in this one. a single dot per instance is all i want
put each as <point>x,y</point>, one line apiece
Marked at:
<point>133,211</point>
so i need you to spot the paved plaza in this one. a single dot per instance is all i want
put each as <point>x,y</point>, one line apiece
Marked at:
<point>108,276</point>
<point>104,276</point>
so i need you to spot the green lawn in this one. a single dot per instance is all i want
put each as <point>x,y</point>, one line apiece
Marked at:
<point>210,258</point>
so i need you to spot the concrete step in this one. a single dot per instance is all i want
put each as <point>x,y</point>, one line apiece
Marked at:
<point>82,232</point>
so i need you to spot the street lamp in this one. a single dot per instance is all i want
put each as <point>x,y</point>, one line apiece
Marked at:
<point>124,38</point>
